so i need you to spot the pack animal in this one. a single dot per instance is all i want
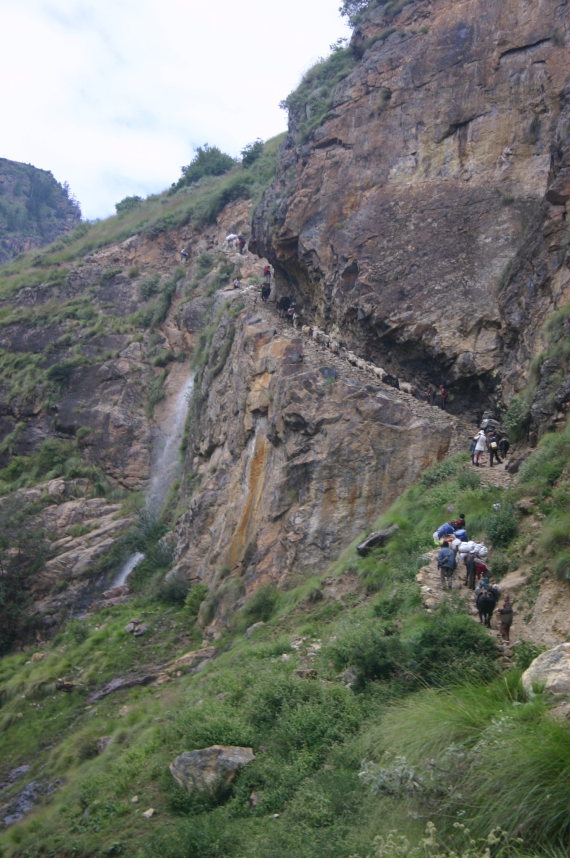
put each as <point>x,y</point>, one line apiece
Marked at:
<point>486,603</point>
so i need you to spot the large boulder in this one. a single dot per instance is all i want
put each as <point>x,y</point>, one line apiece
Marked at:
<point>210,770</point>
<point>550,671</point>
<point>376,540</point>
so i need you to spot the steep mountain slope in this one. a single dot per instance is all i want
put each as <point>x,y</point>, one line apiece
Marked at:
<point>34,208</point>
<point>418,215</point>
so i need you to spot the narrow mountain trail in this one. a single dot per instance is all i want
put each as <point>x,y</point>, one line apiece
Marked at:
<point>316,353</point>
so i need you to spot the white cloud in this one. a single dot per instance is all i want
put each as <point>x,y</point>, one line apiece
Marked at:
<point>113,96</point>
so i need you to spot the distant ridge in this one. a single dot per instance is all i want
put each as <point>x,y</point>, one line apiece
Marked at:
<point>35,209</point>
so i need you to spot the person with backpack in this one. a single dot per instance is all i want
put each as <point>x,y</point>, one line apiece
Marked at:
<point>504,445</point>
<point>493,449</point>
<point>446,563</point>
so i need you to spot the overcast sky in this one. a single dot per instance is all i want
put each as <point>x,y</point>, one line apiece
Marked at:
<point>113,96</point>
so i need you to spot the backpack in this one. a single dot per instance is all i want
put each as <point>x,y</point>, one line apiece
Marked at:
<point>446,558</point>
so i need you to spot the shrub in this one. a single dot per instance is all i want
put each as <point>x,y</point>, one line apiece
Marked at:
<point>368,649</point>
<point>524,653</point>
<point>517,418</point>
<point>173,590</point>
<point>208,161</point>
<point>501,528</point>
<point>448,649</point>
<point>149,286</point>
<point>261,605</point>
<point>128,204</point>
<point>251,153</point>
<point>194,598</point>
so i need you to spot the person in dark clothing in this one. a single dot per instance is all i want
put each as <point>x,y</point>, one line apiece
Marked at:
<point>265,292</point>
<point>443,396</point>
<point>472,447</point>
<point>493,449</point>
<point>470,571</point>
<point>504,445</point>
<point>241,243</point>
<point>446,563</point>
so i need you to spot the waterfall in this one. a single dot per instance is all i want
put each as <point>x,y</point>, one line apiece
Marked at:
<point>166,462</point>
<point>163,469</point>
<point>126,569</point>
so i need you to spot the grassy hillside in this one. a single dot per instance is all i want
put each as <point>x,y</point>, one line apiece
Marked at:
<point>369,717</point>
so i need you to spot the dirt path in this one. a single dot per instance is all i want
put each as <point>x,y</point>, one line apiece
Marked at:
<point>433,594</point>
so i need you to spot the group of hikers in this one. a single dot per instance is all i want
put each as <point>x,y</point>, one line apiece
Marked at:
<point>454,544</point>
<point>489,439</point>
<point>235,242</point>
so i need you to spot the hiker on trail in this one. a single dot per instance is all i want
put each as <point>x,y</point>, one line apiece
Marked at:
<point>480,446</point>
<point>504,445</point>
<point>443,396</point>
<point>267,273</point>
<point>446,563</point>
<point>458,523</point>
<point>237,283</point>
<point>241,243</point>
<point>493,445</point>
<point>481,569</point>
<point>472,447</point>
<point>265,292</point>
<point>505,619</point>
<point>184,255</point>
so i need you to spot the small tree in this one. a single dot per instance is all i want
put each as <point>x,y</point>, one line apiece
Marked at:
<point>351,8</point>
<point>128,204</point>
<point>208,161</point>
<point>251,153</point>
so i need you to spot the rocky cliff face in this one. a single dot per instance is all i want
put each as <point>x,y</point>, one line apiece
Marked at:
<point>425,219</point>
<point>34,208</point>
<point>293,452</point>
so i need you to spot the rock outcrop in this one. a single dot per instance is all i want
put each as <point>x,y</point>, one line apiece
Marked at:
<point>425,218</point>
<point>210,770</point>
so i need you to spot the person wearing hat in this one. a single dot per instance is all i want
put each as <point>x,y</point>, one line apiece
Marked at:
<point>505,619</point>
